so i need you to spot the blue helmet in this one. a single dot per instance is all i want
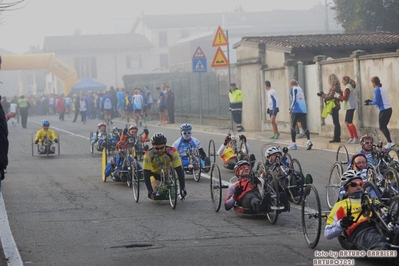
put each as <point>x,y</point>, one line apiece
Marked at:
<point>45,123</point>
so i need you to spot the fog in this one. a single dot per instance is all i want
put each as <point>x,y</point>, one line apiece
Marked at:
<point>32,20</point>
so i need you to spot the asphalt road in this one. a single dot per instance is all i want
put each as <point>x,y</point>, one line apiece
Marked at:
<point>62,213</point>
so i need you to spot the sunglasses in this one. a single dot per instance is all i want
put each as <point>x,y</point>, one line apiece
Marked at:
<point>361,162</point>
<point>355,184</point>
<point>187,133</point>
<point>159,148</point>
<point>368,142</point>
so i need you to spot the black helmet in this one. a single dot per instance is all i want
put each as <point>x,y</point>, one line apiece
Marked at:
<point>158,138</point>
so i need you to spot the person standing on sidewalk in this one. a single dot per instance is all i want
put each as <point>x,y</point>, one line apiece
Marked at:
<point>170,104</point>
<point>298,112</point>
<point>272,109</point>
<point>23,108</point>
<point>235,97</point>
<point>334,94</point>
<point>161,106</point>
<point>381,99</point>
<point>350,105</point>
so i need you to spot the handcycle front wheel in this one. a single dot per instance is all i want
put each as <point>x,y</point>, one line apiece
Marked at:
<point>272,188</point>
<point>334,184</point>
<point>135,182</point>
<point>216,187</point>
<point>91,144</point>
<point>172,186</point>
<point>311,216</point>
<point>296,190</point>
<point>212,151</point>
<point>342,155</point>
<point>103,164</point>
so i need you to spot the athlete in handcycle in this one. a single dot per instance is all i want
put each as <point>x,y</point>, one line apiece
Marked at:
<point>193,156</point>
<point>136,143</point>
<point>102,139</point>
<point>230,153</point>
<point>120,166</point>
<point>156,161</point>
<point>45,139</point>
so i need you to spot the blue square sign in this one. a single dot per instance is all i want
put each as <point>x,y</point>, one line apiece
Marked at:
<point>199,65</point>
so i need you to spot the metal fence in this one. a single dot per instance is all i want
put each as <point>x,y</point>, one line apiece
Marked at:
<point>202,94</point>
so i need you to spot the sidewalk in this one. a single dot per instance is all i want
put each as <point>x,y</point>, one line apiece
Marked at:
<point>318,141</point>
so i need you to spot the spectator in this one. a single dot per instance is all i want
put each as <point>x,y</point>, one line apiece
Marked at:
<point>120,96</point>
<point>149,105</point>
<point>161,106</point>
<point>298,111</point>
<point>333,95</point>
<point>3,142</point>
<point>137,101</point>
<point>23,107</point>
<point>106,107</point>
<point>272,109</point>
<point>170,104</point>
<point>235,98</point>
<point>60,105</point>
<point>381,99</point>
<point>350,105</point>
<point>83,105</point>
<point>76,104</point>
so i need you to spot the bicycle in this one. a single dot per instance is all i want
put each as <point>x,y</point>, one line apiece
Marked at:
<point>166,190</point>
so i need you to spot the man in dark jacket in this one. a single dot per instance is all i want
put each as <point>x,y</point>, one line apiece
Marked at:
<point>3,141</point>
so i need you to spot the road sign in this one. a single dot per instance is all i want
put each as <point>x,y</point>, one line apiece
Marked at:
<point>199,65</point>
<point>220,59</point>
<point>199,53</point>
<point>220,39</point>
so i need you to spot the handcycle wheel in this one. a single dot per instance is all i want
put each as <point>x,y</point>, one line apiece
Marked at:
<point>216,187</point>
<point>391,181</point>
<point>392,155</point>
<point>334,184</point>
<point>311,216</point>
<point>135,182</point>
<point>47,145</point>
<point>342,155</point>
<point>243,151</point>
<point>91,145</point>
<point>261,174</point>
<point>172,186</point>
<point>197,172</point>
<point>393,210</point>
<point>103,164</point>
<point>371,174</point>
<point>33,143</point>
<point>58,143</point>
<point>272,187</point>
<point>372,190</point>
<point>296,190</point>
<point>212,151</point>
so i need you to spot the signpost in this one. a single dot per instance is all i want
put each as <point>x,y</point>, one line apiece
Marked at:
<point>199,66</point>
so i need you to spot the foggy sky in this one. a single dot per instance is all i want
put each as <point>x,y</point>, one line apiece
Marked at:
<point>39,18</point>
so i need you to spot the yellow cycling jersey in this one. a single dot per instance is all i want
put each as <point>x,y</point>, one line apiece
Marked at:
<point>155,163</point>
<point>40,134</point>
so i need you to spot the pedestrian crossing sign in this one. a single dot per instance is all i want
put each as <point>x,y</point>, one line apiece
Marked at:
<point>220,59</point>
<point>199,65</point>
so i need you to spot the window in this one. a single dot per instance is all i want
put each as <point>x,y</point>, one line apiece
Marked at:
<point>133,61</point>
<point>163,39</point>
<point>86,67</point>
<point>164,60</point>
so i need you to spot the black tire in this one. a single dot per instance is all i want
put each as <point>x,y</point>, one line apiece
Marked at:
<point>103,165</point>
<point>216,187</point>
<point>393,212</point>
<point>392,155</point>
<point>372,190</point>
<point>243,151</point>
<point>334,184</point>
<point>91,145</point>
<point>33,143</point>
<point>212,151</point>
<point>197,171</point>
<point>172,186</point>
<point>272,187</point>
<point>311,216</point>
<point>342,155</point>
<point>371,174</point>
<point>47,145</point>
<point>135,182</point>
<point>391,181</point>
<point>296,190</point>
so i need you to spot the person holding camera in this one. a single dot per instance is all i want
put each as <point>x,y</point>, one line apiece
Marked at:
<point>272,108</point>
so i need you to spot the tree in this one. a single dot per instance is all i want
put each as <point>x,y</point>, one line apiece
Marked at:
<point>367,15</point>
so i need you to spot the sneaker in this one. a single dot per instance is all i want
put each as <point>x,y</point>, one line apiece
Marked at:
<point>349,141</point>
<point>354,141</point>
<point>389,145</point>
<point>277,135</point>
<point>310,145</point>
<point>292,146</point>
<point>183,193</point>
<point>272,137</point>
<point>300,136</point>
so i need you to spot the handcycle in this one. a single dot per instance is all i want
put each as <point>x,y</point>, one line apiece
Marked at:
<point>194,161</point>
<point>217,185</point>
<point>166,190</point>
<point>47,144</point>
<point>104,141</point>
<point>385,216</point>
<point>137,146</point>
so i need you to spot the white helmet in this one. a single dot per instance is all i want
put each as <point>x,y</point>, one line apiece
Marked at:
<point>273,150</point>
<point>348,176</point>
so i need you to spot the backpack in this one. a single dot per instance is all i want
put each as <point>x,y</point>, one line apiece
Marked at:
<point>107,104</point>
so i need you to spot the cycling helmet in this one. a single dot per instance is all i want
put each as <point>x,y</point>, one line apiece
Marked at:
<point>186,127</point>
<point>348,176</point>
<point>101,124</point>
<point>273,150</point>
<point>242,166</point>
<point>158,138</point>
<point>121,145</point>
<point>364,138</point>
<point>133,127</point>
<point>45,123</point>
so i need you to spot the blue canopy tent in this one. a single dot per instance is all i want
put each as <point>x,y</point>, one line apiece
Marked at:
<point>87,84</point>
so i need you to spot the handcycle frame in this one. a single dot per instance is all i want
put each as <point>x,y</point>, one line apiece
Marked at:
<point>48,144</point>
<point>127,167</point>
<point>167,189</point>
<point>194,159</point>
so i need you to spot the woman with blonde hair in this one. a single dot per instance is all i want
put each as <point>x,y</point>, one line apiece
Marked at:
<point>334,93</point>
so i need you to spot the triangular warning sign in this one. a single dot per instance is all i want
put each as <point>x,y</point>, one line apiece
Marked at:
<point>199,66</point>
<point>199,53</point>
<point>220,39</point>
<point>220,59</point>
